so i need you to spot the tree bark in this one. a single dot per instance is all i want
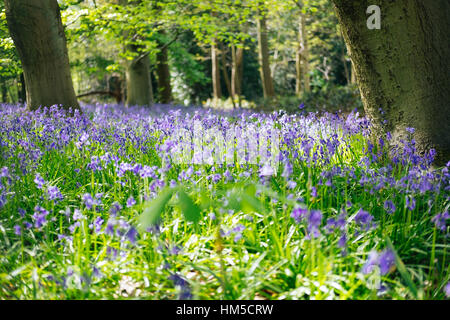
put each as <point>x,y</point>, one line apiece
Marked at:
<point>139,86</point>
<point>305,53</point>
<point>217,91</point>
<point>237,56</point>
<point>402,69</point>
<point>263,48</point>
<point>163,73</point>
<point>38,34</point>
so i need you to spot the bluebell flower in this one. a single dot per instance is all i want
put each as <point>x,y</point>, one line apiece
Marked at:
<point>386,261</point>
<point>40,182</point>
<point>389,206</point>
<point>131,202</point>
<point>88,200</point>
<point>299,214</point>
<point>447,289</point>
<point>440,220</point>
<point>17,230</point>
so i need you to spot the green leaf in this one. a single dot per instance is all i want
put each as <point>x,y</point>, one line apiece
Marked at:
<point>153,210</point>
<point>190,210</point>
<point>402,269</point>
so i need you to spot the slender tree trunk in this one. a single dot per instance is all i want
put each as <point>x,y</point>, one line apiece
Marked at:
<point>237,56</point>
<point>217,91</point>
<point>163,73</point>
<point>38,34</point>
<point>305,53</point>
<point>263,48</point>
<point>402,69</point>
<point>298,63</point>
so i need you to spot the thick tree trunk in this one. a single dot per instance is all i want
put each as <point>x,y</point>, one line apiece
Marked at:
<point>139,85</point>
<point>263,48</point>
<point>402,69</point>
<point>163,73</point>
<point>237,56</point>
<point>38,35</point>
<point>217,91</point>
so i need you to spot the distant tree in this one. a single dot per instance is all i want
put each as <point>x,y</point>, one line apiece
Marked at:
<point>263,49</point>
<point>403,68</point>
<point>38,35</point>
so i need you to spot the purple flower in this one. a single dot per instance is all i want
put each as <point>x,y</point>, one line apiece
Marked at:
<point>40,217</point>
<point>17,230</point>
<point>39,181</point>
<point>88,200</point>
<point>386,261</point>
<point>371,263</point>
<point>447,290</point>
<point>54,193</point>
<point>22,212</point>
<point>364,219</point>
<point>314,221</point>
<point>98,222</point>
<point>74,226</point>
<point>299,214</point>
<point>131,202</point>
<point>291,184</point>
<point>4,172</point>
<point>77,215</point>
<point>342,242</point>
<point>389,206</point>
<point>313,192</point>
<point>410,203</point>
<point>440,220</point>
<point>266,170</point>
<point>110,227</point>
<point>132,235</point>
<point>115,208</point>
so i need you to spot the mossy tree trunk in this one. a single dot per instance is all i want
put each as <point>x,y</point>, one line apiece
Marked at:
<point>38,34</point>
<point>403,68</point>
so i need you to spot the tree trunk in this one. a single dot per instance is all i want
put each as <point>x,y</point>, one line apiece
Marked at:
<point>38,34</point>
<point>298,63</point>
<point>163,73</point>
<point>305,53</point>
<point>22,89</point>
<point>217,91</point>
<point>263,48</point>
<point>402,69</point>
<point>139,86</point>
<point>237,56</point>
<point>353,77</point>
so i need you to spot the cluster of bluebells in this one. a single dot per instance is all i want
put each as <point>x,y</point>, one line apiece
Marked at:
<point>384,261</point>
<point>313,219</point>
<point>117,142</point>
